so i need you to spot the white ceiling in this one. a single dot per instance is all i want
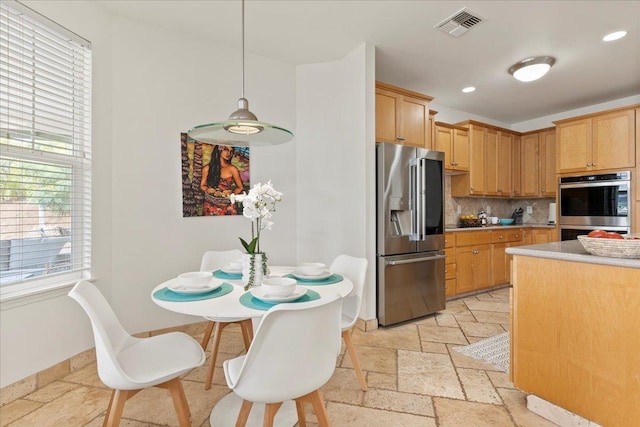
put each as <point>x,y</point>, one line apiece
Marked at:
<point>410,53</point>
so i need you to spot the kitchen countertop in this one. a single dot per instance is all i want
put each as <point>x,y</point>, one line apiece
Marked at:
<point>498,227</point>
<point>570,250</point>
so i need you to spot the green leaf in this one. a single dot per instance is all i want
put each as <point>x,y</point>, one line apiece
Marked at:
<point>251,246</point>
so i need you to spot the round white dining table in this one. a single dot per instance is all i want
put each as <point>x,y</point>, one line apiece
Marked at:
<point>225,412</point>
<point>229,305</point>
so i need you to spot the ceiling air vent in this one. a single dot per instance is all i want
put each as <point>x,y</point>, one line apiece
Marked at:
<point>459,23</point>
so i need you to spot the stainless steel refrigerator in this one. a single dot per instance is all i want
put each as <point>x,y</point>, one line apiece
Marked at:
<point>410,232</point>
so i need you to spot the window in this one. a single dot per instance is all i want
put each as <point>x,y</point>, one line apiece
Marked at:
<point>45,153</point>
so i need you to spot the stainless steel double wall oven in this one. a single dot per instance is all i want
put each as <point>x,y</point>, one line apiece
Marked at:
<point>590,202</point>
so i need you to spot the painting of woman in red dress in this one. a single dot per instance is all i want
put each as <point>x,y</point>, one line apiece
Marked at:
<point>210,174</point>
<point>220,179</point>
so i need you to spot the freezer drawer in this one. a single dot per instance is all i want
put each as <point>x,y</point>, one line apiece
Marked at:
<point>410,286</point>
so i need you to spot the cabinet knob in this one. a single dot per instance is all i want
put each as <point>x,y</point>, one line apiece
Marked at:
<point>400,138</point>
<point>544,191</point>
<point>517,236</point>
<point>500,237</point>
<point>594,164</point>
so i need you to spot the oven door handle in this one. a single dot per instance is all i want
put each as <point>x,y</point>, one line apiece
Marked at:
<point>624,185</point>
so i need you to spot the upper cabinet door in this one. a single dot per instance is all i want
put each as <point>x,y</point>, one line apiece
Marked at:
<point>386,116</point>
<point>548,180</point>
<point>461,149</point>
<point>573,149</point>
<point>505,144</point>
<point>614,140</point>
<point>414,122</point>
<point>444,142</point>
<point>402,116</point>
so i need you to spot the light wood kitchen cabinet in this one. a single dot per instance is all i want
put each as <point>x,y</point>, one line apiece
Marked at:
<point>450,264</point>
<point>635,222</point>
<point>516,168</point>
<point>476,159</point>
<point>543,235</point>
<point>454,142</point>
<point>596,142</point>
<point>432,129</point>
<point>548,176</point>
<point>473,261</point>
<point>500,260</point>
<point>498,163</point>
<point>530,164</point>
<point>402,116</point>
<point>473,183</point>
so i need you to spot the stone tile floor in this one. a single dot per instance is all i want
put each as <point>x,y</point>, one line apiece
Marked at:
<point>415,378</point>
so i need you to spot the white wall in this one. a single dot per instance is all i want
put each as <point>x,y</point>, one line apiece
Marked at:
<point>150,85</point>
<point>36,336</point>
<point>163,84</point>
<point>332,171</point>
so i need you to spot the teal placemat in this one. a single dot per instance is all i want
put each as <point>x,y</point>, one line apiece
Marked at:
<point>334,278</point>
<point>165,294</point>
<point>248,300</point>
<point>226,276</point>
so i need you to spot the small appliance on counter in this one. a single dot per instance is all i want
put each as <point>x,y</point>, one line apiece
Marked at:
<point>517,216</point>
<point>552,214</point>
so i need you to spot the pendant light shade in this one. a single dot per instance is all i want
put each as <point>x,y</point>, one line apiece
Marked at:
<point>242,129</point>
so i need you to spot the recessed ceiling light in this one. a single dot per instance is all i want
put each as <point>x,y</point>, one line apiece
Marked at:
<point>614,36</point>
<point>531,69</point>
<point>469,89</point>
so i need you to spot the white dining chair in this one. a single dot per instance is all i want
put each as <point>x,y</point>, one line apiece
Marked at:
<point>355,269</point>
<point>214,260</point>
<point>292,355</point>
<point>128,364</point>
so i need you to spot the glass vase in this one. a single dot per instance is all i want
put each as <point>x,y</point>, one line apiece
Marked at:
<point>254,267</point>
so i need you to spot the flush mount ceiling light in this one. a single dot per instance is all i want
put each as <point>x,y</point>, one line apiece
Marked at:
<point>242,129</point>
<point>469,89</point>
<point>531,69</point>
<point>614,36</point>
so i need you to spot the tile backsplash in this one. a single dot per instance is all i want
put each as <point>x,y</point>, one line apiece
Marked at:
<point>502,208</point>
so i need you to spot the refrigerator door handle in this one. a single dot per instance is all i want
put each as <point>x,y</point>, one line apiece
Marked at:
<point>416,187</point>
<point>412,260</point>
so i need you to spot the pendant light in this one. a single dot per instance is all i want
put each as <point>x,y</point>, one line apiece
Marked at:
<point>242,129</point>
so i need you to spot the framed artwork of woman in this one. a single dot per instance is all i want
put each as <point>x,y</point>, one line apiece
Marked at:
<point>210,174</point>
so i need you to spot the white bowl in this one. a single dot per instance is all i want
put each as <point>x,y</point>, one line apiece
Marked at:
<point>194,279</point>
<point>236,265</point>
<point>312,268</point>
<point>279,286</point>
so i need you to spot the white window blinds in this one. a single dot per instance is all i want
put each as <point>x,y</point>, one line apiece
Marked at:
<point>45,152</point>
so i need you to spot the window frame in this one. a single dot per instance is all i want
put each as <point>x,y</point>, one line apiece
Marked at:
<point>78,159</point>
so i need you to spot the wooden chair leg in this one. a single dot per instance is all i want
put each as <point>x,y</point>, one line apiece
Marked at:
<point>302,420</point>
<point>270,410</point>
<point>116,406</point>
<point>243,416</point>
<point>346,335</point>
<point>179,401</point>
<point>247,332</point>
<point>217,332</point>
<point>207,334</point>
<point>315,398</point>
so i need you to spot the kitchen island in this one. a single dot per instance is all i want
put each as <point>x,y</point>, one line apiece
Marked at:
<point>575,330</point>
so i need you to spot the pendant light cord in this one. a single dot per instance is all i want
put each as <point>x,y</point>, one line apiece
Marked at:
<point>243,48</point>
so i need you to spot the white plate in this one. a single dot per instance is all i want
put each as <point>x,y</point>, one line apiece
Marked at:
<point>262,296</point>
<point>227,269</point>
<point>301,276</point>
<point>194,291</point>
